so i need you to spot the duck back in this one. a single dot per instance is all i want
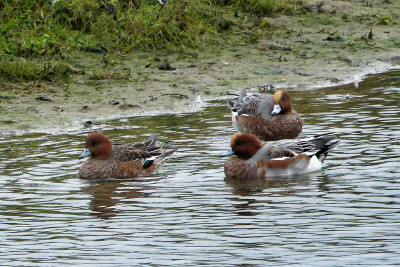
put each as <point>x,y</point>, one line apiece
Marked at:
<point>252,114</point>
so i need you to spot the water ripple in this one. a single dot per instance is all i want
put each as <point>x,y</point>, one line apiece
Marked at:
<point>190,214</point>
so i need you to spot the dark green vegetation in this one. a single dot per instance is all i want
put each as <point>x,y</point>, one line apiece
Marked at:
<point>37,37</point>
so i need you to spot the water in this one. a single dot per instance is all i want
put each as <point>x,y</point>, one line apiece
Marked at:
<point>189,214</point>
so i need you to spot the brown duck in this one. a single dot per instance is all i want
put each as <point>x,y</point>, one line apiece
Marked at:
<point>269,117</point>
<point>121,160</point>
<point>278,158</point>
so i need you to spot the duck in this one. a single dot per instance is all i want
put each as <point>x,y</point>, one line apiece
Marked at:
<point>276,158</point>
<point>121,160</point>
<point>269,117</point>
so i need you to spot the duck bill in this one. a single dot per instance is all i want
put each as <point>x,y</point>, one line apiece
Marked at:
<point>227,153</point>
<point>276,110</point>
<point>85,153</point>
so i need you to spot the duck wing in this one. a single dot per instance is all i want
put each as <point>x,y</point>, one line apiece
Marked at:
<point>298,146</point>
<point>138,151</point>
<point>252,104</point>
<point>286,166</point>
<point>268,152</point>
<point>290,148</point>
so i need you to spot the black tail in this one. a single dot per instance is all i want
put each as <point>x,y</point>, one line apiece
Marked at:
<point>317,142</point>
<point>163,155</point>
<point>323,152</point>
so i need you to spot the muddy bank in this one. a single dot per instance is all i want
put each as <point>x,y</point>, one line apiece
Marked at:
<point>326,47</point>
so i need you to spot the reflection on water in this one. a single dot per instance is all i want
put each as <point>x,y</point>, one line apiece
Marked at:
<point>188,213</point>
<point>106,195</point>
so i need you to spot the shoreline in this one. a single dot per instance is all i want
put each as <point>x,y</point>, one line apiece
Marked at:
<point>190,106</point>
<point>168,99</point>
<point>299,53</point>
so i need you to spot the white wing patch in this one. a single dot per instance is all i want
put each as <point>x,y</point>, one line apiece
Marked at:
<point>299,167</point>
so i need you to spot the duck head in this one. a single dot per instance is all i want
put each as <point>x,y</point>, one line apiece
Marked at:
<point>98,146</point>
<point>243,145</point>
<point>282,103</point>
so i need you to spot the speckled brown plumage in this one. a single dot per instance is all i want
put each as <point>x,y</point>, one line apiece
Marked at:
<point>122,161</point>
<point>252,114</point>
<point>276,128</point>
<point>237,168</point>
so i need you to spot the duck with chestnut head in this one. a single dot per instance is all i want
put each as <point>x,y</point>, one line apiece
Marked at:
<point>280,158</point>
<point>121,160</point>
<point>269,117</point>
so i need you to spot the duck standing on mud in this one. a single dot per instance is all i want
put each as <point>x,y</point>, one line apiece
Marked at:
<point>268,117</point>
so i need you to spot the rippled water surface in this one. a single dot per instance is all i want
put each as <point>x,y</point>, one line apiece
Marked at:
<point>189,214</point>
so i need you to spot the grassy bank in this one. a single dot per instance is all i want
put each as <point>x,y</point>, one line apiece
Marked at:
<point>37,37</point>
<point>70,61</point>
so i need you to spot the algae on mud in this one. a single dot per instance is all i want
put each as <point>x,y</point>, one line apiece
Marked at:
<point>96,75</point>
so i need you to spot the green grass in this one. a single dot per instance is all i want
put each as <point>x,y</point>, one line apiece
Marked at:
<point>36,36</point>
<point>19,69</point>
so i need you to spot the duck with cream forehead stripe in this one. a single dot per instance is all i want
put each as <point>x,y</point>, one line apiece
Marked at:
<point>269,117</point>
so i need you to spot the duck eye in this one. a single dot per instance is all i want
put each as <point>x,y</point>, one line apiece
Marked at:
<point>284,98</point>
<point>239,143</point>
<point>95,143</point>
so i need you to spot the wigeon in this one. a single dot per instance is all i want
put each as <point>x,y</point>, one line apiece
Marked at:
<point>278,158</point>
<point>269,117</point>
<point>121,161</point>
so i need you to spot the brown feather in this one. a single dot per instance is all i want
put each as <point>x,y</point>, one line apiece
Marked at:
<point>237,168</point>
<point>282,164</point>
<point>121,161</point>
<point>278,127</point>
<point>285,125</point>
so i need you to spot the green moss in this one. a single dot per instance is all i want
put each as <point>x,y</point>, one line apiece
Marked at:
<point>18,69</point>
<point>385,20</point>
<point>261,7</point>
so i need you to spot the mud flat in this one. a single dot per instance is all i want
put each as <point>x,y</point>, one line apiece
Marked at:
<point>338,44</point>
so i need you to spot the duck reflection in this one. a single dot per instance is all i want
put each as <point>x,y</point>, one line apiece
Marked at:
<point>250,193</point>
<point>107,194</point>
<point>247,187</point>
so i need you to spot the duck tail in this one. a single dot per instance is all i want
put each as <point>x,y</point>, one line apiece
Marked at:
<point>323,152</point>
<point>151,141</point>
<point>158,159</point>
<point>231,104</point>
<point>168,153</point>
<point>317,142</point>
<point>242,95</point>
<point>310,145</point>
<point>234,105</point>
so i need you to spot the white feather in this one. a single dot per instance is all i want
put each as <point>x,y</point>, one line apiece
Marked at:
<point>300,167</point>
<point>314,165</point>
<point>234,114</point>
